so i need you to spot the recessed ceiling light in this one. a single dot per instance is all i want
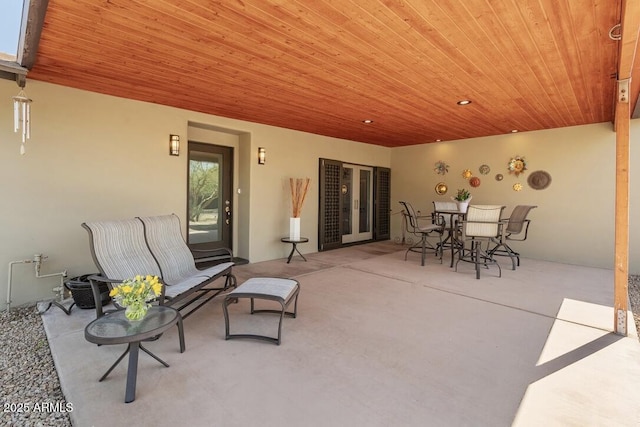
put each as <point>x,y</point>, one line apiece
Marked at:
<point>514,130</point>
<point>464,102</point>
<point>438,140</point>
<point>367,121</point>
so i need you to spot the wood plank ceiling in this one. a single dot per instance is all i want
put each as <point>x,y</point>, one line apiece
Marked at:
<point>324,66</point>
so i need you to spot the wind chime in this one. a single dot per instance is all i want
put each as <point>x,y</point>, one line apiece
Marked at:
<point>22,116</point>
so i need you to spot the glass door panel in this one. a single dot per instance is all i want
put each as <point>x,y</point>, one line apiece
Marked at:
<point>208,200</point>
<point>364,205</point>
<point>357,198</point>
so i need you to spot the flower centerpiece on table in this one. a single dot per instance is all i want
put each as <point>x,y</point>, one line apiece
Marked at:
<point>462,197</point>
<point>134,295</point>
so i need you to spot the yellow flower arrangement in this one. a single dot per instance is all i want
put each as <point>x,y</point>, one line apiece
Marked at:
<point>134,295</point>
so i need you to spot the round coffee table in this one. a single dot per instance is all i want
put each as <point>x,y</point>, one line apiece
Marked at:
<point>115,328</point>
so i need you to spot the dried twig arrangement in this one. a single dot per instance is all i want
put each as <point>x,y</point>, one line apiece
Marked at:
<point>299,188</point>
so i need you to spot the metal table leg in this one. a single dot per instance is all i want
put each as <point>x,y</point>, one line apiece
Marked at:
<point>132,372</point>
<point>295,249</point>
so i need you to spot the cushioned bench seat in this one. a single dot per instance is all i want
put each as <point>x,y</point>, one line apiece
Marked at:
<point>283,291</point>
<point>123,249</point>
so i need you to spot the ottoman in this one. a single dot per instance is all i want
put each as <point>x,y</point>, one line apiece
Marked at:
<point>283,291</point>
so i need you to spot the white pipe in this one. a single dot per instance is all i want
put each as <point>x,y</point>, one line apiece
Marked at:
<point>24,261</point>
<point>37,259</point>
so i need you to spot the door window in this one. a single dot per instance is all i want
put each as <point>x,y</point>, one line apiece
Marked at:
<point>209,196</point>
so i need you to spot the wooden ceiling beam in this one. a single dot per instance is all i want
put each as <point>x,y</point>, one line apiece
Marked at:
<point>32,21</point>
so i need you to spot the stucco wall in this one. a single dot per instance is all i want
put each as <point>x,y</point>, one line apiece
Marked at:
<point>574,221</point>
<point>95,157</point>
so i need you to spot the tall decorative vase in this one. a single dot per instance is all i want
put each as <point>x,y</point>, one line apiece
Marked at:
<point>294,228</point>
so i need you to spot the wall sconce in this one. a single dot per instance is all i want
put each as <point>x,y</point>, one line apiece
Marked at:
<point>262,155</point>
<point>174,145</point>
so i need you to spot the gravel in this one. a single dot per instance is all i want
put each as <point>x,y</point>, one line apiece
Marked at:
<point>30,388</point>
<point>634,299</point>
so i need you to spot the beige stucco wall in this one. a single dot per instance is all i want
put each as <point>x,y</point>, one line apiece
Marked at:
<point>574,221</point>
<point>95,157</point>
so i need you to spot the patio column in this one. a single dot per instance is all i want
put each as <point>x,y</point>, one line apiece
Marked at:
<point>630,25</point>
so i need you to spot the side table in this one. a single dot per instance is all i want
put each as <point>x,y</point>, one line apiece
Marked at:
<point>294,242</point>
<point>115,328</point>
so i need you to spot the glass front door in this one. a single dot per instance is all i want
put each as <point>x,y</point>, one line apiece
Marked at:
<point>357,203</point>
<point>209,207</point>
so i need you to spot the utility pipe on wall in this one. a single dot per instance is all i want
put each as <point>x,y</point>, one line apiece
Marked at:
<point>37,259</point>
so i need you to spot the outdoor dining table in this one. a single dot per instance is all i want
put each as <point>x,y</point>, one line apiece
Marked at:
<point>454,217</point>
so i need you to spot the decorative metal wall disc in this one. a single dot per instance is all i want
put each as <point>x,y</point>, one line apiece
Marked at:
<point>441,188</point>
<point>539,180</point>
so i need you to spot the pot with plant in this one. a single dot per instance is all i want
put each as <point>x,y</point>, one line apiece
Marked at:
<point>462,198</point>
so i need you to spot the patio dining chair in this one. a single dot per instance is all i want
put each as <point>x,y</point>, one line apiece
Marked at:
<point>424,228</point>
<point>481,225</point>
<point>517,229</point>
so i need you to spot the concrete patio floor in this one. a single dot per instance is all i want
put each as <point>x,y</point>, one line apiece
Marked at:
<point>378,341</point>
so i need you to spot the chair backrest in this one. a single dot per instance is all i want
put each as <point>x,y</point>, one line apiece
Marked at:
<point>445,206</point>
<point>410,215</point>
<point>483,221</point>
<point>119,249</point>
<point>164,237</point>
<point>518,218</point>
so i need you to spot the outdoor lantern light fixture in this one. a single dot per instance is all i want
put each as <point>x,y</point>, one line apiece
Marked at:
<point>174,145</point>
<point>262,155</point>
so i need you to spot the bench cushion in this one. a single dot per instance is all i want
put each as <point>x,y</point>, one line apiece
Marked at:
<point>281,288</point>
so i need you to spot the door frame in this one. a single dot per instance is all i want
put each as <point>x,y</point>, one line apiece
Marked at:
<point>225,196</point>
<point>330,214</point>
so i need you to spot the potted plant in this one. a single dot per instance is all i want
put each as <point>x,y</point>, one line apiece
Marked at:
<point>462,197</point>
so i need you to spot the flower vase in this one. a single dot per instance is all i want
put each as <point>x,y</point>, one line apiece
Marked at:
<point>136,311</point>
<point>463,205</point>
<point>294,228</point>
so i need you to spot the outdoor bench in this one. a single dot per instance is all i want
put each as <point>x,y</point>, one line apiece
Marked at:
<point>123,249</point>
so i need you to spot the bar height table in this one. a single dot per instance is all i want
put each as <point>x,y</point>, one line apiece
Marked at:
<point>454,216</point>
